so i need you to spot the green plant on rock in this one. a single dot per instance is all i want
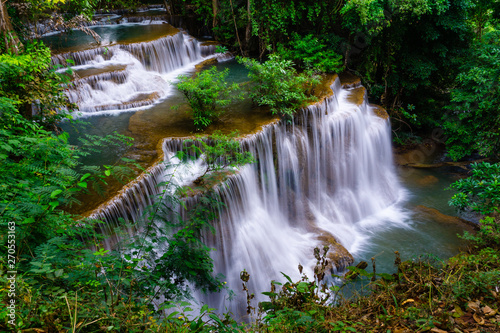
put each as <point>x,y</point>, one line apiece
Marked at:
<point>481,193</point>
<point>37,91</point>
<point>219,152</point>
<point>207,94</point>
<point>277,85</point>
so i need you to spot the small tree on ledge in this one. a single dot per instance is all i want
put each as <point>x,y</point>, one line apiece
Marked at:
<point>207,94</point>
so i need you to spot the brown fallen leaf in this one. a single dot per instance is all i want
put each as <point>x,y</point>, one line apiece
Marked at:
<point>437,330</point>
<point>474,306</point>
<point>408,301</point>
<point>488,312</point>
<point>479,320</point>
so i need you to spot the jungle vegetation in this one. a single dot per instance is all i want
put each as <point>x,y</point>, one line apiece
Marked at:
<point>431,64</point>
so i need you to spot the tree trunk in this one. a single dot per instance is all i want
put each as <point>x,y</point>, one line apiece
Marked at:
<point>168,8</point>
<point>248,31</point>
<point>7,33</point>
<point>215,12</point>
<point>236,27</point>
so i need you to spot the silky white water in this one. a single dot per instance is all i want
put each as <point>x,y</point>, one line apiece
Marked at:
<point>329,171</point>
<point>145,75</point>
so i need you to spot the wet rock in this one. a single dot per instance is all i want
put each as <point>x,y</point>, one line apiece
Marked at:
<point>338,256</point>
<point>349,80</point>
<point>351,275</point>
<point>439,217</point>
<point>357,95</point>
<point>380,111</point>
<point>205,63</point>
<point>419,156</point>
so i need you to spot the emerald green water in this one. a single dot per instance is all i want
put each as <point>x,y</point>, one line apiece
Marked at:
<point>423,235</point>
<point>110,35</point>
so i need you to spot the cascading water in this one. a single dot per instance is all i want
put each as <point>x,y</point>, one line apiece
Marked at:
<point>143,76</point>
<point>330,173</point>
<point>327,178</point>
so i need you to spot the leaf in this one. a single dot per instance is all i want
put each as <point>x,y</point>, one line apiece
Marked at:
<point>270,294</point>
<point>55,193</point>
<point>82,184</point>
<point>479,320</point>
<point>302,287</point>
<point>85,176</point>
<point>101,252</point>
<point>215,318</point>
<point>107,173</point>
<point>410,300</point>
<point>287,277</point>
<point>53,204</point>
<point>58,273</point>
<point>28,220</point>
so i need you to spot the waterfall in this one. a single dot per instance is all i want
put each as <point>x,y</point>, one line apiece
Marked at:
<point>326,178</point>
<point>143,75</point>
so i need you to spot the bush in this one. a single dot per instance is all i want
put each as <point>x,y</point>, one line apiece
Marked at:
<point>481,191</point>
<point>207,94</point>
<point>277,84</point>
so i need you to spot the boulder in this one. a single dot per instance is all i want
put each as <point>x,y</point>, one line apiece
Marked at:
<point>437,216</point>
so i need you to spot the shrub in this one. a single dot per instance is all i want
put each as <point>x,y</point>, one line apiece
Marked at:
<point>207,94</point>
<point>277,84</point>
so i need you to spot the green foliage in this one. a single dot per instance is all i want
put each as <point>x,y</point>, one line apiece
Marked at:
<point>309,52</point>
<point>59,270</point>
<point>207,94</point>
<point>481,191</point>
<point>36,90</point>
<point>219,152</point>
<point>488,234</point>
<point>277,85</point>
<point>408,52</point>
<point>472,122</point>
<point>206,321</point>
<point>220,49</point>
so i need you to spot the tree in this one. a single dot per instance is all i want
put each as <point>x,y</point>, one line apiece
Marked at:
<point>309,53</point>
<point>10,41</point>
<point>276,84</point>
<point>471,121</point>
<point>207,93</point>
<point>408,51</point>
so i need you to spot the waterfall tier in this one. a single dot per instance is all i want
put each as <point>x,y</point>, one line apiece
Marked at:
<point>327,178</point>
<point>145,71</point>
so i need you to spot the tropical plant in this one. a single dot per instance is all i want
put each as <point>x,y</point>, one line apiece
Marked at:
<point>276,84</point>
<point>481,191</point>
<point>207,93</point>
